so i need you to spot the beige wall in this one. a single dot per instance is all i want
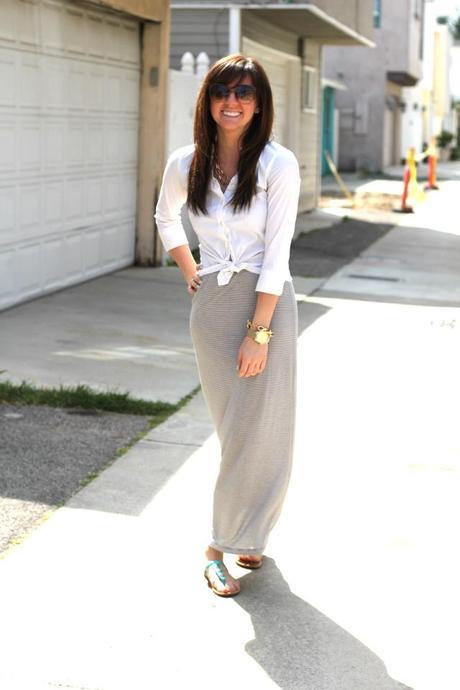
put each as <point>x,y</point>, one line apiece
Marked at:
<point>153,10</point>
<point>356,14</point>
<point>155,38</point>
<point>310,135</point>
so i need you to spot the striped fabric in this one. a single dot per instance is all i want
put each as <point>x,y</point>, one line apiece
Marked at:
<point>254,417</point>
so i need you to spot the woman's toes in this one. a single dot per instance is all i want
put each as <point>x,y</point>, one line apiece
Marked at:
<point>231,586</point>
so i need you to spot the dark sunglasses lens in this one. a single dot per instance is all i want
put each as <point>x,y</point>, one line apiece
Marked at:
<point>245,93</point>
<point>219,91</point>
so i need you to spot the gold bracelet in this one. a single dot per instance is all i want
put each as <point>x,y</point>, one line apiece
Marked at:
<point>261,334</point>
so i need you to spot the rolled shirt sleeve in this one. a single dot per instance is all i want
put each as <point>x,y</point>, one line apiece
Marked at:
<point>173,194</point>
<point>283,189</point>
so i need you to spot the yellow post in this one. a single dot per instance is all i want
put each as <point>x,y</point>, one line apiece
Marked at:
<point>415,191</point>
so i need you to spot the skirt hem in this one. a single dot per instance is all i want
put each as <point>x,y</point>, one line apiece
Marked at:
<point>231,549</point>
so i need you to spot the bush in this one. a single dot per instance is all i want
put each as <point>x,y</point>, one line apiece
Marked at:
<point>444,139</point>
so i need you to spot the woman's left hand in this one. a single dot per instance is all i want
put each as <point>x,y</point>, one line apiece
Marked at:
<point>252,358</point>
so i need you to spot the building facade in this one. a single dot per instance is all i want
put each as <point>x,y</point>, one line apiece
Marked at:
<point>372,106</point>
<point>82,126</point>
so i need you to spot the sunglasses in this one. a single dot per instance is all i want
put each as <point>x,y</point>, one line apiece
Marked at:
<point>245,93</point>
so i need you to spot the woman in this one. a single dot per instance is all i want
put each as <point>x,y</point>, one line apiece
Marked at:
<point>242,191</point>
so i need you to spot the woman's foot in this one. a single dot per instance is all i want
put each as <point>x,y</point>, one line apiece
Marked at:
<point>251,562</point>
<point>217,575</point>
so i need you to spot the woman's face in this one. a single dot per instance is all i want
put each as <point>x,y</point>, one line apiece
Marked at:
<point>231,114</point>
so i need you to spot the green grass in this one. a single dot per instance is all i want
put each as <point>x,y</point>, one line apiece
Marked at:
<point>84,398</point>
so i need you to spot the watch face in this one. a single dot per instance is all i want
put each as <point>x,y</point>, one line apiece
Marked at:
<point>261,337</point>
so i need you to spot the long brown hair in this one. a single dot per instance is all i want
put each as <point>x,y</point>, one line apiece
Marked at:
<point>225,71</point>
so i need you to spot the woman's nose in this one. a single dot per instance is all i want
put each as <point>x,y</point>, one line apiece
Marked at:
<point>230,96</point>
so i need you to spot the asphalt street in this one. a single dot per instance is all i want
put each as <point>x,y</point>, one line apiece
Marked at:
<point>47,452</point>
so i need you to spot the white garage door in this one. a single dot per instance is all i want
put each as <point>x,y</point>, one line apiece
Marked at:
<point>277,67</point>
<point>69,99</point>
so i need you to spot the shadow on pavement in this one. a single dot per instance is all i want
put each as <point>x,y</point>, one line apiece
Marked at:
<point>319,253</point>
<point>309,312</point>
<point>294,641</point>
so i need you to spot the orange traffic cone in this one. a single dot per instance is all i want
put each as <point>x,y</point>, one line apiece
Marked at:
<point>432,162</point>
<point>406,181</point>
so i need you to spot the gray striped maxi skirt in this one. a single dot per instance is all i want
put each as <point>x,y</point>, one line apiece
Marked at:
<point>254,417</point>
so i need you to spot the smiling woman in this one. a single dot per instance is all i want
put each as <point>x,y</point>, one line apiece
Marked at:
<point>242,191</point>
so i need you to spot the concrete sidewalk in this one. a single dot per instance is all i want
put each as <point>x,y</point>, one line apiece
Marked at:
<point>358,591</point>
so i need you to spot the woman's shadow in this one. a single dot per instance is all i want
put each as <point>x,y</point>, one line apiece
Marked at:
<point>299,647</point>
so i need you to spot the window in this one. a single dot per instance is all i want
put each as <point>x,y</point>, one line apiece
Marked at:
<point>377,14</point>
<point>308,88</point>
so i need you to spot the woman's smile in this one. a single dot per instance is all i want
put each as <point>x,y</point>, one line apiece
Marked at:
<point>230,113</point>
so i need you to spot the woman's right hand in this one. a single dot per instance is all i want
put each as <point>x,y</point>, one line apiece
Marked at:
<point>193,283</point>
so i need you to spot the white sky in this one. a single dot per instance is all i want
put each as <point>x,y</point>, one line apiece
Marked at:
<point>447,7</point>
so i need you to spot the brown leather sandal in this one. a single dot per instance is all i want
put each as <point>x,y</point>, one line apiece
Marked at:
<point>245,562</point>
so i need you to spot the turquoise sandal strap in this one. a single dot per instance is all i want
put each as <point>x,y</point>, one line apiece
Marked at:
<point>217,568</point>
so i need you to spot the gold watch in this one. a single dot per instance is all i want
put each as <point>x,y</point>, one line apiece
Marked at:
<point>261,334</point>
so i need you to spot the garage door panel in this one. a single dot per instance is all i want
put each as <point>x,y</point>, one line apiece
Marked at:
<point>76,139</point>
<point>74,31</point>
<point>54,204</point>
<point>28,22</point>
<point>7,213</point>
<point>28,148</point>
<point>8,79</point>
<point>112,135</point>
<point>30,198</point>
<point>51,261</point>
<point>130,47</point>
<point>28,268</point>
<point>68,143</point>
<point>8,146</point>
<point>72,258</point>
<point>91,258</point>
<point>7,272</point>
<point>52,27</point>
<point>130,91</point>
<point>94,199</point>
<point>76,87</point>
<point>55,139</point>
<point>111,195</point>
<point>8,30</point>
<point>31,93</point>
<point>75,201</point>
<point>128,192</point>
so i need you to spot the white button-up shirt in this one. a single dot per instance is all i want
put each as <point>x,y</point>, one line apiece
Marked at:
<point>257,239</point>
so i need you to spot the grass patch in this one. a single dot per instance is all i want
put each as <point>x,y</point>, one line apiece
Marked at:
<point>82,397</point>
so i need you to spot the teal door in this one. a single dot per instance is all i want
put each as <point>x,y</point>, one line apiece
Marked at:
<point>328,127</point>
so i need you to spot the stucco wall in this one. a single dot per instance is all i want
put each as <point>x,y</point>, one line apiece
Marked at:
<point>356,14</point>
<point>364,105</point>
<point>361,106</point>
